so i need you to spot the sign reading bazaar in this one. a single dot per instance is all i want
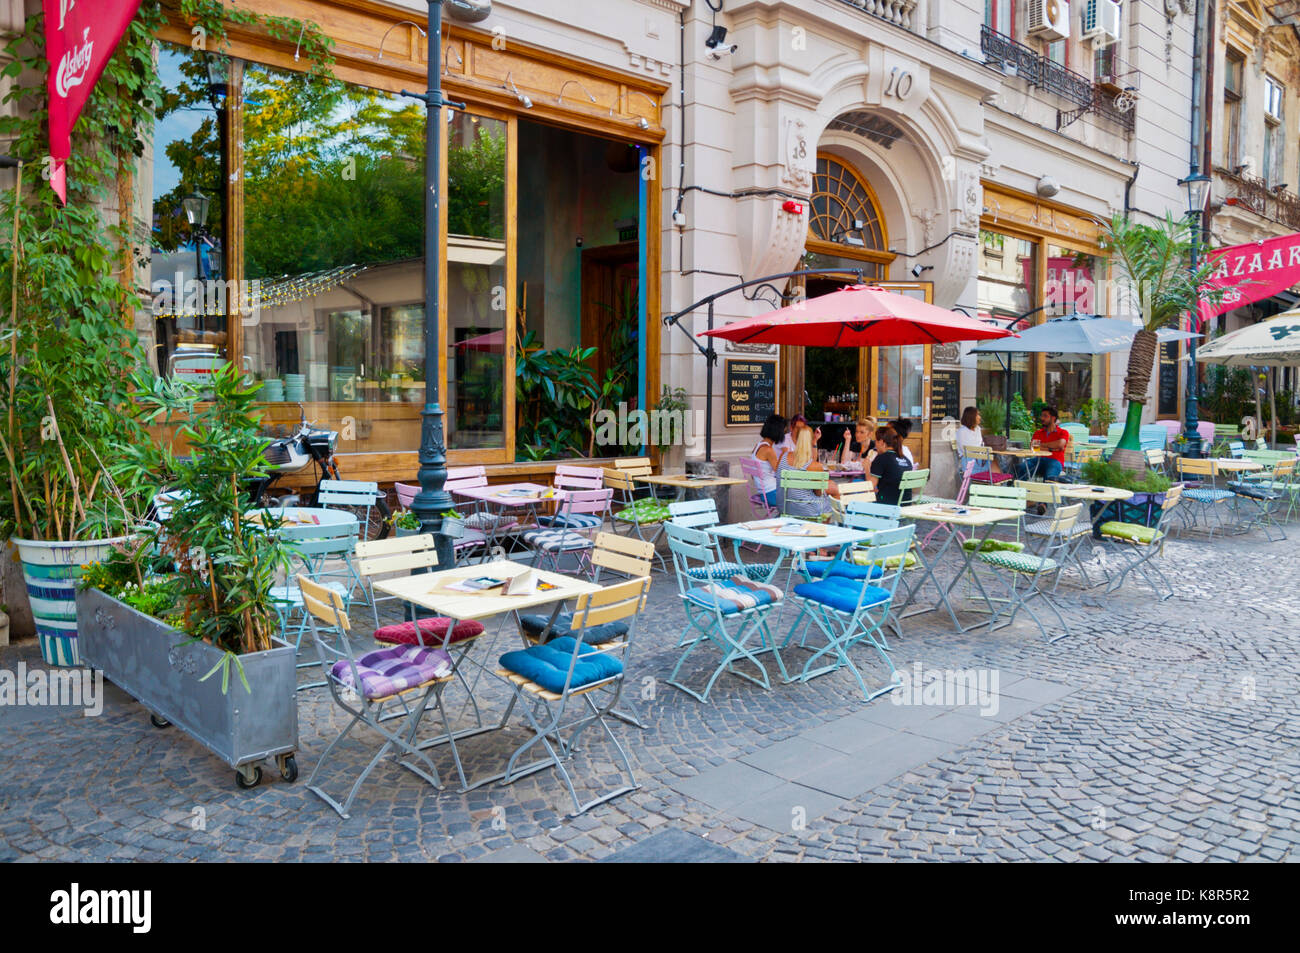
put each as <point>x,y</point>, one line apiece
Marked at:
<point>1253,272</point>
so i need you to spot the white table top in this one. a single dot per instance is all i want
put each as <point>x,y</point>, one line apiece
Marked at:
<point>968,515</point>
<point>835,537</point>
<point>305,517</point>
<point>493,493</point>
<point>1102,494</point>
<point>425,590</point>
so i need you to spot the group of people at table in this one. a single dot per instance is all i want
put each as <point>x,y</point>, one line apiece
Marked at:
<point>785,446</point>
<point>880,451</point>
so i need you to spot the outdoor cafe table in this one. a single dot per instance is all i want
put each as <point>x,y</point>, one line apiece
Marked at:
<point>951,517</point>
<point>1233,465</point>
<point>685,481</point>
<point>428,591</point>
<point>507,496</point>
<point>295,516</point>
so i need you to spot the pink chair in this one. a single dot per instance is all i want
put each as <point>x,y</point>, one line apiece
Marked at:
<point>473,539</point>
<point>578,478</point>
<point>562,535</point>
<point>962,490</point>
<point>570,480</point>
<point>759,507</point>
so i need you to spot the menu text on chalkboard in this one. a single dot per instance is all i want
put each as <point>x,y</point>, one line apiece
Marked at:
<point>751,391</point>
<point>945,395</point>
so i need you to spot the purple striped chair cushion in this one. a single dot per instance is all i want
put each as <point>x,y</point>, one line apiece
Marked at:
<point>386,672</point>
<point>435,628</point>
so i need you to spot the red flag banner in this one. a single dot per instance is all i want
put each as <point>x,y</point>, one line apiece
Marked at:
<point>80,36</point>
<point>1253,272</point>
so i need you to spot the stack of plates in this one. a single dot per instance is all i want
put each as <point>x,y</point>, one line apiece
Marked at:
<point>272,390</point>
<point>295,387</point>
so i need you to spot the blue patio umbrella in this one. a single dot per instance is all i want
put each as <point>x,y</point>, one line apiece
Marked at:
<point>1084,334</point>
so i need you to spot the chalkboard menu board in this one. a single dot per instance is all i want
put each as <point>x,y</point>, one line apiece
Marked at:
<point>1168,397</point>
<point>945,395</point>
<point>751,391</point>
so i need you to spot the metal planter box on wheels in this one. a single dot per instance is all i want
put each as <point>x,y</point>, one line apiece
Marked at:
<point>161,668</point>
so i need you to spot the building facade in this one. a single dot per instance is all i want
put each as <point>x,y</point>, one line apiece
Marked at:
<point>615,162</point>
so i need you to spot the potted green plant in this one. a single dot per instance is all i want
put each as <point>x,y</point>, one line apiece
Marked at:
<point>1148,489</point>
<point>165,641</point>
<point>405,523</point>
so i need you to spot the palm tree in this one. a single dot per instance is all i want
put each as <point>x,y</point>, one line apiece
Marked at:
<point>1151,266</point>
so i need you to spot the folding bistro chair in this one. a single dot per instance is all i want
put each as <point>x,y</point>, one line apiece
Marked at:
<point>850,611</point>
<point>1041,528</point>
<point>1032,568</point>
<point>1267,495</point>
<point>313,546</point>
<point>816,480</point>
<point>365,685</point>
<point>406,555</point>
<point>549,678</point>
<point>703,514</point>
<point>630,558</point>
<point>577,513</point>
<point>359,497</point>
<point>722,616</point>
<point>1203,497</point>
<point>470,542</point>
<point>632,513</point>
<point>1139,545</point>
<point>480,515</point>
<point>911,488</point>
<point>998,498</point>
<point>858,491</point>
<point>983,472</point>
<point>753,470</point>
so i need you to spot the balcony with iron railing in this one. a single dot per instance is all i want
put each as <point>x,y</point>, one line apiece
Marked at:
<point>898,12</point>
<point>1252,193</point>
<point>1016,59</point>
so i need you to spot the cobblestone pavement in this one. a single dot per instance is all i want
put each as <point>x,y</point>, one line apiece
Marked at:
<point>1155,731</point>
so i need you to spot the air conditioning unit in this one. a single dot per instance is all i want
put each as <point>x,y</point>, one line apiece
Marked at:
<point>1101,22</point>
<point>1049,19</point>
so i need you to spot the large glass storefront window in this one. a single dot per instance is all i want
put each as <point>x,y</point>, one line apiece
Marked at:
<point>1005,290</point>
<point>476,281</point>
<point>1071,288</point>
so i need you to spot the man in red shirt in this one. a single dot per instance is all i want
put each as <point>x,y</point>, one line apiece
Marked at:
<point>1048,437</point>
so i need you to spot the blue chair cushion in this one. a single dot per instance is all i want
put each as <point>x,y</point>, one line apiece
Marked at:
<point>1254,491</point>
<point>841,593</point>
<point>1207,494</point>
<point>847,570</point>
<point>548,665</point>
<point>557,540</point>
<point>535,625</point>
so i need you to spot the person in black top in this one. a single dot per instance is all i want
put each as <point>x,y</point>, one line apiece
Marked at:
<point>889,466</point>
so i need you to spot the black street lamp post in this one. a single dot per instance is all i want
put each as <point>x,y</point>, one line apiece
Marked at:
<point>433,500</point>
<point>1197,185</point>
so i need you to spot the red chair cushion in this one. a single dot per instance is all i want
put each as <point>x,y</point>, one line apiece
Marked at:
<point>994,478</point>
<point>435,628</point>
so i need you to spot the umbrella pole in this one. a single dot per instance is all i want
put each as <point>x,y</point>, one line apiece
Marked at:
<point>709,357</point>
<point>1006,367</point>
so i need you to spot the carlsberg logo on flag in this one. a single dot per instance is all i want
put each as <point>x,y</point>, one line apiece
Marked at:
<point>80,36</point>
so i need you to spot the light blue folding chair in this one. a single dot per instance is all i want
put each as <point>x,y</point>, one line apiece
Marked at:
<point>703,514</point>
<point>359,497</point>
<point>848,611</point>
<point>313,546</point>
<point>722,614</point>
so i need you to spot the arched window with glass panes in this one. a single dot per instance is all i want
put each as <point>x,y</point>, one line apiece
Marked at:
<point>845,228</point>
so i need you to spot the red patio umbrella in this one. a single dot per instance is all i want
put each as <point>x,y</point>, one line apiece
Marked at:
<point>859,316</point>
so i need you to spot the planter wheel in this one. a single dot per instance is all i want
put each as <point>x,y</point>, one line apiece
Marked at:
<point>159,722</point>
<point>289,768</point>
<point>248,776</point>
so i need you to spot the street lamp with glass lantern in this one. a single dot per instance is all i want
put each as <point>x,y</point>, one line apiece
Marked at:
<point>196,213</point>
<point>1197,185</point>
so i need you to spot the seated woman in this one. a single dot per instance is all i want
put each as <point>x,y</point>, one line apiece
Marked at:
<point>858,445</point>
<point>903,427</point>
<point>970,435</point>
<point>768,453</point>
<point>801,502</point>
<point>889,466</point>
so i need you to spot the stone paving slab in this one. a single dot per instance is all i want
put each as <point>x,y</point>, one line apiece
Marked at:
<point>1156,731</point>
<point>675,847</point>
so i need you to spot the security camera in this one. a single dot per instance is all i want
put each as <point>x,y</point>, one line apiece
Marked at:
<point>718,53</point>
<point>717,42</point>
<point>919,270</point>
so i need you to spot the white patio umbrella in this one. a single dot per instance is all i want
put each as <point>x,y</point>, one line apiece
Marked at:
<point>1274,342</point>
<point>1271,343</point>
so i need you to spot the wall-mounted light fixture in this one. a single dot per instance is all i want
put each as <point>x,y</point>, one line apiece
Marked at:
<point>510,86</point>
<point>560,98</point>
<point>390,30</point>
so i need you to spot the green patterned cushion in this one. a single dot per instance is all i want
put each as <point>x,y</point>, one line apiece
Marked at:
<point>644,511</point>
<point>1018,562</point>
<point>859,557</point>
<point>994,546</point>
<point>1134,532</point>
